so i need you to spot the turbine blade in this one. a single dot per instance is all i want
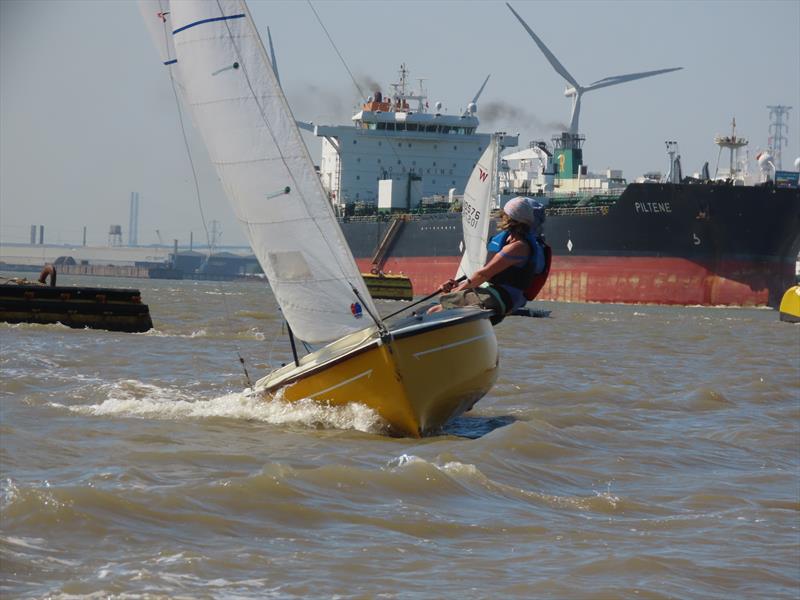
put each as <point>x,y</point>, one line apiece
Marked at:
<point>549,55</point>
<point>614,80</point>
<point>480,91</point>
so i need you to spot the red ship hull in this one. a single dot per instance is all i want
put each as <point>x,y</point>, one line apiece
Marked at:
<point>683,244</point>
<point>630,280</point>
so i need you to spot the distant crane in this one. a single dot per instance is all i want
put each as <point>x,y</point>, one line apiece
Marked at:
<point>576,90</point>
<point>160,241</point>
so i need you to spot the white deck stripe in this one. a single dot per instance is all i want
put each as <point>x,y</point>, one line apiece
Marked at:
<point>338,385</point>
<point>446,346</point>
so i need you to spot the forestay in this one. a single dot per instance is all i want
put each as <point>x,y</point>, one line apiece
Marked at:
<point>266,170</point>
<point>475,211</point>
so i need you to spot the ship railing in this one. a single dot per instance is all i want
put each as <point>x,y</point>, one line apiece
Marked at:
<point>577,210</point>
<point>406,216</point>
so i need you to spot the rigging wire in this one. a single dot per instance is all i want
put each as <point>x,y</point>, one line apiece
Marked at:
<point>389,139</point>
<point>226,309</point>
<point>339,54</point>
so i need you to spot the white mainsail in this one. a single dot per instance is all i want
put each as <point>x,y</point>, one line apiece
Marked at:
<point>266,170</point>
<point>475,211</point>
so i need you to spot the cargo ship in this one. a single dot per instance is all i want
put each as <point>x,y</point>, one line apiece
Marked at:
<point>394,178</point>
<point>662,240</point>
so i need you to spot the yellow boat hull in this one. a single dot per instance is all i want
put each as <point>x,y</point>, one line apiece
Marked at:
<point>790,305</point>
<point>428,370</point>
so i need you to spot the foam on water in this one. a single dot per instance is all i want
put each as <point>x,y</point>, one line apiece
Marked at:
<point>35,325</point>
<point>132,398</point>
<point>166,334</point>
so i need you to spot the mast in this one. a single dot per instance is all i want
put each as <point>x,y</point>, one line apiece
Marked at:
<point>732,144</point>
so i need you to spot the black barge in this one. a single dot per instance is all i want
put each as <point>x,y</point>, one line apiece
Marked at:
<point>113,309</point>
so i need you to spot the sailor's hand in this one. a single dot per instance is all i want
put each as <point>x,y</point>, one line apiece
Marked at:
<point>448,285</point>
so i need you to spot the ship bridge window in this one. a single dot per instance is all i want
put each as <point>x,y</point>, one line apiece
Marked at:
<point>381,125</point>
<point>412,126</point>
<point>445,129</point>
<point>372,126</point>
<point>431,128</point>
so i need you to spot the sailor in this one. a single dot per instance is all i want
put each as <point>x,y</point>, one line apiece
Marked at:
<point>516,258</point>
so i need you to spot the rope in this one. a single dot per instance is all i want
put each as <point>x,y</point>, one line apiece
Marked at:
<point>389,139</point>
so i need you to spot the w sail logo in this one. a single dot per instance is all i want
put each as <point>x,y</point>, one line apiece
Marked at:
<point>482,174</point>
<point>355,309</point>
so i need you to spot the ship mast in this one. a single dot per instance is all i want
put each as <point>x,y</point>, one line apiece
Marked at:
<point>732,143</point>
<point>401,98</point>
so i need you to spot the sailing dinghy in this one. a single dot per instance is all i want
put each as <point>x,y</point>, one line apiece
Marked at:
<point>417,372</point>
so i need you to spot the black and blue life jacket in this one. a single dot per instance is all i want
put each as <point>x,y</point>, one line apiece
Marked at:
<point>519,283</point>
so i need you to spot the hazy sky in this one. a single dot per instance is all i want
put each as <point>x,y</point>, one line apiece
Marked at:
<point>87,113</point>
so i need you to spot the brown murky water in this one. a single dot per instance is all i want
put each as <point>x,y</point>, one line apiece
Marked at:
<point>626,452</point>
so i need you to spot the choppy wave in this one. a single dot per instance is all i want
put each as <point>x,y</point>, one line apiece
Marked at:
<point>620,455</point>
<point>132,398</point>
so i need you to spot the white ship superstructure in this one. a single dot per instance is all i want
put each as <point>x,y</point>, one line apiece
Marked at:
<point>397,151</point>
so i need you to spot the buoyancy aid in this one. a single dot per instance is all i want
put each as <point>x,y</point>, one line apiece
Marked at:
<point>530,277</point>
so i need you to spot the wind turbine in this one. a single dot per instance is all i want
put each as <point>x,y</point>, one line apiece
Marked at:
<point>576,90</point>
